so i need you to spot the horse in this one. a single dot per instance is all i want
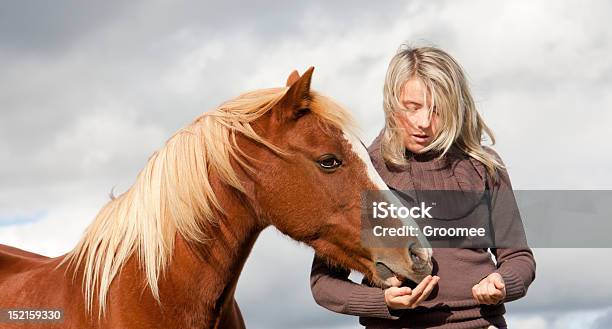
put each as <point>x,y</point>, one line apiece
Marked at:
<point>168,252</point>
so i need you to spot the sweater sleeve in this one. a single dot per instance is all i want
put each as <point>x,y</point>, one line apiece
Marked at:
<point>332,289</point>
<point>515,261</point>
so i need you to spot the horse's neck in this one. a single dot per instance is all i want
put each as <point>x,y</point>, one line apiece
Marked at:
<point>202,289</point>
<point>201,280</point>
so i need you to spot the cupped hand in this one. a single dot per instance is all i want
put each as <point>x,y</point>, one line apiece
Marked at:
<point>404,297</point>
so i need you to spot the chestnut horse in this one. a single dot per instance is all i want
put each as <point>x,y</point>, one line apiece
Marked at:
<point>168,252</point>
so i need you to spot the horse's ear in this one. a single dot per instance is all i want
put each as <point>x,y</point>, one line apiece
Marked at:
<point>296,101</point>
<point>293,77</point>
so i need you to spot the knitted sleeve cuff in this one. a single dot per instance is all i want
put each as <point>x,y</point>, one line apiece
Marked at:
<point>369,302</point>
<point>515,287</point>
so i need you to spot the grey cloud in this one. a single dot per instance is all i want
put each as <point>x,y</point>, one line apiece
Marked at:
<point>604,322</point>
<point>28,27</point>
<point>32,27</point>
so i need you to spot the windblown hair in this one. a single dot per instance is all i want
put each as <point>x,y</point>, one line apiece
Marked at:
<point>459,121</point>
<point>173,193</point>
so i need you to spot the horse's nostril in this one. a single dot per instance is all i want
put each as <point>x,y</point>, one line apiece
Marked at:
<point>418,255</point>
<point>414,256</point>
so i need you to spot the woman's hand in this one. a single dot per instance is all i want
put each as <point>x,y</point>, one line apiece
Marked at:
<point>490,290</point>
<point>403,297</point>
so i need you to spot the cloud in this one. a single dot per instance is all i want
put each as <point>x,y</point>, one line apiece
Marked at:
<point>595,318</point>
<point>29,27</point>
<point>604,321</point>
<point>54,234</point>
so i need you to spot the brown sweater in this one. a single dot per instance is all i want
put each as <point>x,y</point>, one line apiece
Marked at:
<point>451,304</point>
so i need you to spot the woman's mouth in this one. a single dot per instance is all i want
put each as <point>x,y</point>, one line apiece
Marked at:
<point>420,138</point>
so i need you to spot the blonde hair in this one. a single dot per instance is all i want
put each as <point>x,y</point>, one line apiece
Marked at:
<point>459,121</point>
<point>173,193</point>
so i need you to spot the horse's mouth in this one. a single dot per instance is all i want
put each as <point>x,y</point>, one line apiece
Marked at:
<point>385,272</point>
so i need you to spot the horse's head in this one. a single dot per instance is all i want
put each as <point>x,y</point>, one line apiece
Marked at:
<point>313,192</point>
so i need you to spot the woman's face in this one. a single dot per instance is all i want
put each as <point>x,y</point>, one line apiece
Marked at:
<point>419,124</point>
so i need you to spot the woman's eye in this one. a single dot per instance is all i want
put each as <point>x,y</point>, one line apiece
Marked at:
<point>329,162</point>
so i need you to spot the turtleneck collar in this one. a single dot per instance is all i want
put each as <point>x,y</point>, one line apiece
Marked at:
<point>421,157</point>
<point>455,168</point>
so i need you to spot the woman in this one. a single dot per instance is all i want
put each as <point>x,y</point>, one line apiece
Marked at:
<point>432,141</point>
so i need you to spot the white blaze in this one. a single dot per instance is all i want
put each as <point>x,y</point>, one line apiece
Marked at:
<point>359,149</point>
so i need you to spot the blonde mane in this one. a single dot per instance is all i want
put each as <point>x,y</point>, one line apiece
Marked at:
<point>173,194</point>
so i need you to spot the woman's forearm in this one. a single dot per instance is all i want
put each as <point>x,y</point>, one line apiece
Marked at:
<point>332,289</point>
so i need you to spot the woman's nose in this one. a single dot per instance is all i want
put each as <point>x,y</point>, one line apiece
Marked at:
<point>422,119</point>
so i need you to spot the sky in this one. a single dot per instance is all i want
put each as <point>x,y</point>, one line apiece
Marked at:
<point>89,90</point>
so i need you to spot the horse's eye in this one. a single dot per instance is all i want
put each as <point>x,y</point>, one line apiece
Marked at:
<point>329,162</point>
